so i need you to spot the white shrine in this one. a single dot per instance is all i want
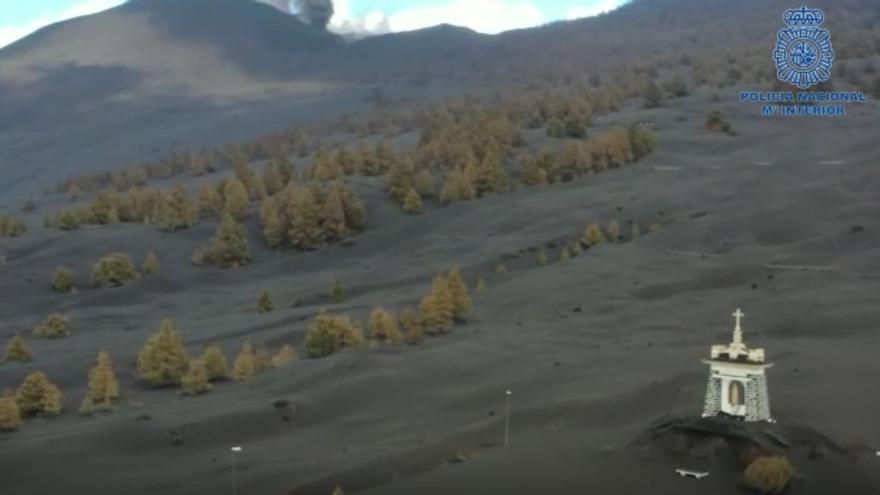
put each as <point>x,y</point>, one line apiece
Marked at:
<point>737,384</point>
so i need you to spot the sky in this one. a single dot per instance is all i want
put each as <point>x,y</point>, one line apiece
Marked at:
<point>18,18</point>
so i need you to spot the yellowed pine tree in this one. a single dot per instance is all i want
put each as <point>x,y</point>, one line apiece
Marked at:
<point>215,363</point>
<point>55,326</point>
<point>285,356</point>
<point>382,326</point>
<point>163,360</point>
<point>541,257</point>
<point>62,280</point>
<point>272,179</point>
<point>329,333</point>
<point>151,264</point>
<point>305,230</point>
<point>103,387</point>
<point>457,187</point>
<point>195,381</point>
<point>262,359</point>
<point>593,235</point>
<point>177,211</point>
<point>264,302</point>
<point>332,216</point>
<point>209,200</point>
<point>413,332</point>
<point>437,309</point>
<point>458,290</point>
<point>412,202</point>
<point>37,395</point>
<point>614,231</point>
<point>244,366</point>
<point>229,247</point>
<point>10,414</point>
<point>235,196</point>
<point>17,350</point>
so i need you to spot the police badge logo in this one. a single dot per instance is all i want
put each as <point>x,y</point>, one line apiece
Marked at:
<point>803,52</point>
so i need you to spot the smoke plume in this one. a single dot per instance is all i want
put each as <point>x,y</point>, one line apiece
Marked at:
<point>315,12</point>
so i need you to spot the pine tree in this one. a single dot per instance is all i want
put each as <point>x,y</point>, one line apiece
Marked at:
<point>413,333</point>
<point>565,255</point>
<point>614,231</point>
<point>461,299</point>
<point>62,280</point>
<point>491,176</point>
<point>177,211</point>
<point>355,210</point>
<point>285,356</point>
<point>113,270</point>
<point>215,363</point>
<point>10,414</point>
<point>229,247</point>
<point>262,359</point>
<point>37,395</point>
<point>274,225</point>
<point>425,184</point>
<point>530,174</point>
<point>195,381</point>
<point>305,221</point>
<point>55,326</point>
<point>541,257</point>
<point>330,333</point>
<point>244,366</point>
<point>264,302</point>
<point>457,187</point>
<point>272,179</point>
<point>437,309</point>
<point>235,196</point>
<point>163,360</point>
<point>209,201</point>
<point>412,202</point>
<point>337,293</point>
<point>332,216</point>
<point>151,264</point>
<point>593,235</point>
<point>382,327</point>
<point>103,387</point>
<point>17,350</point>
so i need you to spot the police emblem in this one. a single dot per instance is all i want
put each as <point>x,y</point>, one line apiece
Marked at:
<point>803,52</point>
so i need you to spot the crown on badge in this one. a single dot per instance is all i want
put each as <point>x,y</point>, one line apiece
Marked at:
<point>804,17</point>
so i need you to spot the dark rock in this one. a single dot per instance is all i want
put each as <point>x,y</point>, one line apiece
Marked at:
<point>176,438</point>
<point>855,229</point>
<point>281,404</point>
<point>754,286</point>
<point>578,309</point>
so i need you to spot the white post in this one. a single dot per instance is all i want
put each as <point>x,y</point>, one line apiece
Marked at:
<point>507,419</point>
<point>234,484</point>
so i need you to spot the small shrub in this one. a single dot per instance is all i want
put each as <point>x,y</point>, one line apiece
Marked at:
<point>330,333</point>
<point>541,257</point>
<point>565,255</point>
<point>769,474</point>
<point>229,247</point>
<point>262,359</point>
<point>264,302</point>
<point>17,350</point>
<point>37,395</point>
<point>62,280</point>
<point>716,122</point>
<point>55,326</point>
<point>113,270</point>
